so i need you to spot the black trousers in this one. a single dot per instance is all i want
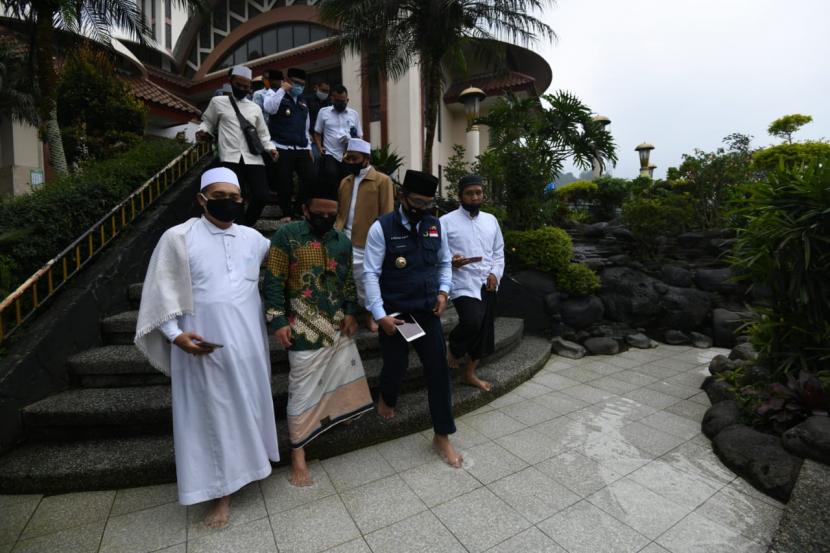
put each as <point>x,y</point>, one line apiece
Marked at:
<point>474,334</point>
<point>290,162</point>
<point>330,170</point>
<point>254,184</point>
<point>433,355</point>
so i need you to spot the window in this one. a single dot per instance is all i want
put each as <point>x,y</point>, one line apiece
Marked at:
<point>271,41</point>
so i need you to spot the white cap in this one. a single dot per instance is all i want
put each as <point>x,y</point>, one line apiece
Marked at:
<point>219,174</point>
<point>241,71</point>
<point>359,145</point>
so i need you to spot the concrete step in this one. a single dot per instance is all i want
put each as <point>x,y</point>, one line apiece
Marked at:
<point>58,467</point>
<point>123,411</point>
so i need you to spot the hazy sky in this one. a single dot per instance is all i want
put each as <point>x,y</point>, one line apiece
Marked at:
<point>682,74</point>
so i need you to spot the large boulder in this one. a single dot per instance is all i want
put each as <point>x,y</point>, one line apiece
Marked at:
<point>716,280</point>
<point>743,352</point>
<point>676,337</point>
<point>683,308</point>
<point>759,458</point>
<point>717,390</point>
<point>700,340</point>
<point>581,312</point>
<point>725,324</point>
<point>719,416</point>
<point>640,340</point>
<point>810,439</point>
<point>525,295</point>
<point>720,364</point>
<point>568,349</point>
<point>676,276</point>
<point>602,346</point>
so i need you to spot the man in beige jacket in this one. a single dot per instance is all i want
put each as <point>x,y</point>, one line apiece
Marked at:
<point>365,195</point>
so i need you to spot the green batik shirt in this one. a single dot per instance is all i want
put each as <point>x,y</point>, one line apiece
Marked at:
<point>309,284</point>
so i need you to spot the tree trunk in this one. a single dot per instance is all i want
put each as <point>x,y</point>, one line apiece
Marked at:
<point>432,88</point>
<point>46,85</point>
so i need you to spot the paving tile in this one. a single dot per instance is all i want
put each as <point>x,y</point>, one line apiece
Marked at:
<point>507,399</point>
<point>280,495</point>
<point>437,482</point>
<point>531,540</point>
<point>557,364</point>
<point>531,446</point>
<point>533,495</point>
<point>580,374</point>
<point>635,377</point>
<point>612,385</point>
<point>480,520</point>
<point>578,473</point>
<point>642,509</point>
<point>494,424</point>
<point>80,539</point>
<point>690,379</point>
<point>529,413</point>
<point>314,527</point>
<point>600,367</point>
<point>465,436</point>
<point>419,534</point>
<point>655,399</point>
<point>678,365</point>
<point>136,499</point>
<point>745,487</point>
<point>180,548</point>
<point>587,393</point>
<point>697,534</point>
<point>146,530</point>
<point>672,424</point>
<point>585,528</point>
<point>407,452</point>
<point>675,390</point>
<point>700,462</point>
<point>701,441</point>
<point>617,410</point>
<point>560,403</point>
<point>554,381</point>
<point>59,512</point>
<point>356,468</point>
<point>355,546</point>
<point>531,389</point>
<point>378,504</point>
<point>701,398</point>
<point>246,505</point>
<point>750,516</point>
<point>684,488</point>
<point>489,462</point>
<point>654,548</point>
<point>564,431</point>
<point>614,452</point>
<point>657,371</point>
<point>689,409</point>
<point>252,537</point>
<point>17,510</point>
<point>483,409</point>
<point>649,439</point>
<point>625,362</point>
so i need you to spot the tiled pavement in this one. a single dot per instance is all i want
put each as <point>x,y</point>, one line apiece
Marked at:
<point>598,455</point>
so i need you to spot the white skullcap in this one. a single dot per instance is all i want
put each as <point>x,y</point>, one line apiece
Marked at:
<point>359,145</point>
<point>241,71</point>
<point>219,174</point>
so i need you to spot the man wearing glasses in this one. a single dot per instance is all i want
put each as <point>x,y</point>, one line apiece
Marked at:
<point>408,276</point>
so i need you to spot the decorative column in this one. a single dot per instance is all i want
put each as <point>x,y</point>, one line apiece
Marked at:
<point>472,97</point>
<point>596,163</point>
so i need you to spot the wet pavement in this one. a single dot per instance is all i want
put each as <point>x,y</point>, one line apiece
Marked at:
<point>603,454</point>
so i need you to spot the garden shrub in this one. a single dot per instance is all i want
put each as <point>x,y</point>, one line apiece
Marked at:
<point>499,213</point>
<point>37,226</point>
<point>610,195</point>
<point>578,280</point>
<point>546,249</point>
<point>650,218</point>
<point>791,156</point>
<point>579,191</point>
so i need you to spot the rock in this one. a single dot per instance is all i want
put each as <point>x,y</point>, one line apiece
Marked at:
<point>620,259</point>
<point>596,230</point>
<point>725,324</point>
<point>720,364</point>
<point>715,280</point>
<point>582,312</point>
<point>676,276</point>
<point>810,439</point>
<point>621,233</point>
<point>743,352</point>
<point>742,339</point>
<point>568,349</point>
<point>683,308</point>
<point>753,373</point>
<point>719,416</point>
<point>700,340</point>
<point>602,346</point>
<point>717,390</point>
<point>760,458</point>
<point>639,340</point>
<point>689,239</point>
<point>661,288</point>
<point>552,304</point>
<point>523,295</point>
<point>676,337</point>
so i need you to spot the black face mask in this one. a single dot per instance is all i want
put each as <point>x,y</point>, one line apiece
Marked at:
<point>239,93</point>
<point>471,209</point>
<point>339,105</point>
<point>320,224</point>
<point>415,214</point>
<point>225,210</point>
<point>352,169</point>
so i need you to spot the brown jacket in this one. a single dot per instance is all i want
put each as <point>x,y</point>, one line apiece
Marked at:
<point>375,197</point>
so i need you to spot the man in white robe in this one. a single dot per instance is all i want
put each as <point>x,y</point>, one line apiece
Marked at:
<point>201,294</point>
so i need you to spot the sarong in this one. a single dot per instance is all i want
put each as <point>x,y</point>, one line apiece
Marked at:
<point>475,333</point>
<point>326,386</point>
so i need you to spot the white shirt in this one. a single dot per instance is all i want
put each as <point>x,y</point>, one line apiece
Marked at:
<point>347,228</point>
<point>271,104</point>
<point>335,128</point>
<point>220,117</point>
<point>478,236</point>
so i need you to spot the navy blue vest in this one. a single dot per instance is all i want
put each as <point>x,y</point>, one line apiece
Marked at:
<point>409,276</point>
<point>287,126</point>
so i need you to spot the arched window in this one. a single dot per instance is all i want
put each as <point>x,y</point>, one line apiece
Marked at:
<point>271,41</point>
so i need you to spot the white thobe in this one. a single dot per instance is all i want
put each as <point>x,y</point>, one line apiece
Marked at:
<point>224,432</point>
<point>357,252</point>
<point>478,236</point>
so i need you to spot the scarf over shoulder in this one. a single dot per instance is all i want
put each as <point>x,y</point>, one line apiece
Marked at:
<point>167,294</point>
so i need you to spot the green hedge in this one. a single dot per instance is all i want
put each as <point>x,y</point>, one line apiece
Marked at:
<point>577,280</point>
<point>37,226</point>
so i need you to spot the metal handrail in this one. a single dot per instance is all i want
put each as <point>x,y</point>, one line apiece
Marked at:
<point>23,303</point>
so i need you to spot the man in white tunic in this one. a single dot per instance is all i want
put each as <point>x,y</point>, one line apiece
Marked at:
<point>201,293</point>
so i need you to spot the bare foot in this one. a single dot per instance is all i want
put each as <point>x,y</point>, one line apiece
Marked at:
<point>384,410</point>
<point>451,360</point>
<point>447,452</point>
<point>300,475</point>
<point>219,513</point>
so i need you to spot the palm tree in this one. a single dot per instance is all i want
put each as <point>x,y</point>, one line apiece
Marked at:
<point>96,19</point>
<point>435,34</point>
<point>15,92</point>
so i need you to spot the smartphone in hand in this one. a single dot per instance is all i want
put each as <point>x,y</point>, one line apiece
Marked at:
<point>210,345</point>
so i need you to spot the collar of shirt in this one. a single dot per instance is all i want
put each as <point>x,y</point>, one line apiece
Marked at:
<point>213,229</point>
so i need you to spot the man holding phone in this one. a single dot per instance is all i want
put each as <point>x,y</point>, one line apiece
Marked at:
<point>201,323</point>
<point>476,241</point>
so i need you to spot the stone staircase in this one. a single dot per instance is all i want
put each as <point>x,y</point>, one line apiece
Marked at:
<point>112,427</point>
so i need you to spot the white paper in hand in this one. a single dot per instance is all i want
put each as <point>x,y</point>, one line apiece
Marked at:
<point>410,329</point>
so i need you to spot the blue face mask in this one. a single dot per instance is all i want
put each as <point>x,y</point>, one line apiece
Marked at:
<point>297,90</point>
